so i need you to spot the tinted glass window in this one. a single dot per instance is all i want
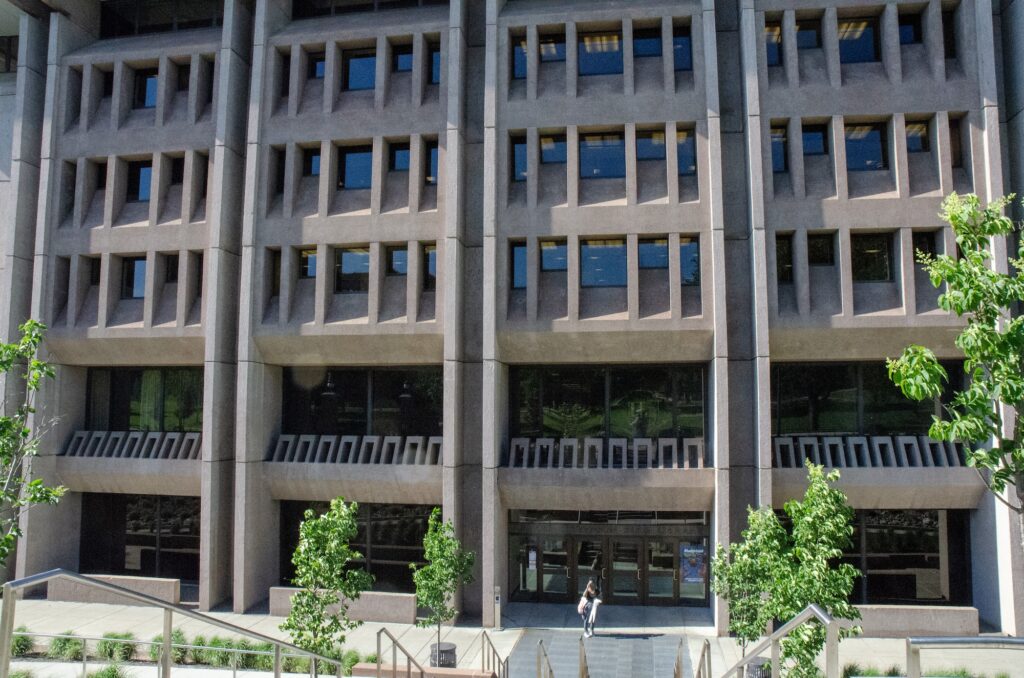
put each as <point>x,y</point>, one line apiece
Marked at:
<point>956,153</point>
<point>145,399</point>
<point>398,158</point>
<point>317,66</point>
<point>552,48</point>
<point>177,170</point>
<point>352,270</point>
<point>140,175</point>
<point>398,261</point>
<point>518,58</point>
<point>910,29</point>
<point>949,34</point>
<point>553,256</point>
<point>171,268</point>
<point>918,137</point>
<point>434,53</point>
<point>682,49</point>
<point>784,257</point>
<point>355,167</point>
<point>603,263</point>
<point>686,152</point>
<point>780,149</point>
<point>430,176</point>
<point>858,40</point>
<point>925,241</point>
<point>650,145</point>
<point>866,148</point>
<point>135,17</point>
<point>872,257</point>
<point>275,272</point>
<point>602,156</point>
<point>646,42</point>
<point>821,249</point>
<point>307,264</point>
<point>401,58</point>
<point>815,138</point>
<point>653,253</point>
<point>553,149</point>
<point>359,69</point>
<point>808,34</point>
<point>519,159</point>
<point>108,84</point>
<point>518,263</point>
<point>773,43</point>
<point>689,261</point>
<point>133,277</point>
<point>429,267</point>
<point>311,162</point>
<point>600,53</point>
<point>145,88</point>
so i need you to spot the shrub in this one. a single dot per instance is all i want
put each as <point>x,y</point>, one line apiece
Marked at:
<point>69,648</point>
<point>178,654</point>
<point>24,673</point>
<point>197,654</point>
<point>22,646</point>
<point>262,662</point>
<point>111,671</point>
<point>293,664</point>
<point>894,670</point>
<point>370,658</point>
<point>220,652</point>
<point>117,646</point>
<point>349,659</point>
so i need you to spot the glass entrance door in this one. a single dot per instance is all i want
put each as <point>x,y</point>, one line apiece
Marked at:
<point>625,585</point>
<point>555,570</point>
<point>589,563</point>
<point>662,574</point>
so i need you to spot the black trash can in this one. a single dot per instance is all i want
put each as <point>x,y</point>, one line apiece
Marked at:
<point>442,655</point>
<point>761,667</point>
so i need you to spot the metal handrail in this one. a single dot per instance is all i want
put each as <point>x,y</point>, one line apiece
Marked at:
<point>166,659</point>
<point>772,642</point>
<point>490,658</point>
<point>410,661</point>
<point>584,668</point>
<point>915,645</point>
<point>544,669</point>
<point>703,661</point>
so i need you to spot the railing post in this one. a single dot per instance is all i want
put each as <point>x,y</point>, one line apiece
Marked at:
<point>234,664</point>
<point>776,670</point>
<point>583,661</point>
<point>85,659</point>
<point>168,653</point>
<point>832,650</point>
<point>6,630</point>
<point>379,657</point>
<point>913,661</point>
<point>540,644</point>
<point>277,661</point>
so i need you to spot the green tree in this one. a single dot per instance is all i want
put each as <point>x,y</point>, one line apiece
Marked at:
<point>984,413</point>
<point>448,567</point>
<point>18,443</point>
<point>328,579</point>
<point>778,570</point>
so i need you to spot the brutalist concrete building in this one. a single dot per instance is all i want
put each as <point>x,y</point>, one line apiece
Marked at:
<point>592,277</point>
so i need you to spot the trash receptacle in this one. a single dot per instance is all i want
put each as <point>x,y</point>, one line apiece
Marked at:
<point>442,655</point>
<point>760,667</point>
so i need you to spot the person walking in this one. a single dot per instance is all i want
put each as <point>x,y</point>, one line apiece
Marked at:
<point>587,608</point>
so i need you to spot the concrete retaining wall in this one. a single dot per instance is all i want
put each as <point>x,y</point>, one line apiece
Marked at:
<point>901,621</point>
<point>167,590</point>
<point>398,608</point>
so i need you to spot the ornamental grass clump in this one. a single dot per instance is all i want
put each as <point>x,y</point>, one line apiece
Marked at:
<point>22,645</point>
<point>178,653</point>
<point>117,646</point>
<point>68,647</point>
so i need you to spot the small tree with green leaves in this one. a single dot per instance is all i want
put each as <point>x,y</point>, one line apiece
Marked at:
<point>18,443</point>
<point>328,579</point>
<point>985,413</point>
<point>448,567</point>
<point>778,570</point>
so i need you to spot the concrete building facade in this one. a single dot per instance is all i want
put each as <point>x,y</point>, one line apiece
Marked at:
<point>591,277</point>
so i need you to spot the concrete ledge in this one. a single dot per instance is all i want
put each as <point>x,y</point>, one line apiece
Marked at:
<point>598,489</point>
<point>901,621</point>
<point>167,590</point>
<point>130,476</point>
<point>891,488</point>
<point>396,608</point>
<point>394,483</point>
<point>370,670</point>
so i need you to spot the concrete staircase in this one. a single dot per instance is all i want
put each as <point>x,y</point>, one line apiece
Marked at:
<point>609,655</point>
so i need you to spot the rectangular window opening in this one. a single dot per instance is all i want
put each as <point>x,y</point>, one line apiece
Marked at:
<point>603,263</point>
<point>652,253</point>
<point>355,167</point>
<point>352,270</point>
<point>872,257</point>
<point>600,53</point>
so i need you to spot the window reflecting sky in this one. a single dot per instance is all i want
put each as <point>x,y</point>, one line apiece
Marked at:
<point>686,152</point>
<point>553,256</point>
<point>602,156</point>
<point>360,70</point>
<point>356,168</point>
<point>518,266</point>
<point>603,263</point>
<point>689,261</point>
<point>600,53</point>
<point>858,40</point>
<point>865,147</point>
<point>653,253</point>
<point>682,49</point>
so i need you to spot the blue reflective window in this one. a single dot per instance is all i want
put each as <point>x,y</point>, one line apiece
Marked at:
<point>808,34</point>
<point>689,261</point>
<point>140,175</point>
<point>653,253</point>
<point>602,156</point>
<point>815,138</point>
<point>359,69</point>
<point>603,263</point>
<point>686,152</point>
<point>646,42</point>
<point>307,263</point>
<point>398,157</point>
<point>773,43</point>
<point>133,277</point>
<point>401,58</point>
<point>518,265</point>
<point>431,153</point>
<point>779,150</point>
<point>918,138</point>
<point>311,162</point>
<point>552,48</point>
<point>865,147</point>
<point>352,270</point>
<point>858,40</point>
<point>600,53</point>
<point>435,63</point>
<point>518,58</point>
<point>554,256</point>
<point>145,88</point>
<point>317,66</point>
<point>682,49</point>
<point>519,159</point>
<point>355,167</point>
<point>398,260</point>
<point>650,145</point>
<point>430,267</point>
<point>910,29</point>
<point>553,149</point>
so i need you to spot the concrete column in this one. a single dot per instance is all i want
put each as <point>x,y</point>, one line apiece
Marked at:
<point>891,43</point>
<point>790,54</point>
<point>900,164</point>
<point>571,60</point>
<point>532,61</point>
<point>801,272</point>
<point>830,41</point>
<point>838,142</point>
<point>631,166</point>
<point>628,69</point>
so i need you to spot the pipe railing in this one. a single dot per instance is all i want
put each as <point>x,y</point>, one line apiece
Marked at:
<point>773,642</point>
<point>490,658</point>
<point>9,606</point>
<point>915,645</point>
<point>584,668</point>
<point>544,669</point>
<point>396,647</point>
<point>703,661</point>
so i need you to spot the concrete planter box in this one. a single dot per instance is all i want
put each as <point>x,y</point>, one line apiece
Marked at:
<point>167,590</point>
<point>901,621</point>
<point>397,608</point>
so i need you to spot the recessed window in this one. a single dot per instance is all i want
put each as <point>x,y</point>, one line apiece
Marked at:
<point>275,273</point>
<point>199,272</point>
<point>519,58</point>
<point>397,257</point>
<point>307,264</point>
<point>401,58</point>
<point>434,55</point>
<point>602,156</point>
<point>352,270</point>
<point>277,160</point>
<point>646,42</point>
<point>100,176</point>
<point>398,157</point>
<point>603,263</point>
<point>171,268</point>
<point>355,167</point>
<point>600,53</point>
<point>140,175</point>
<point>145,88</point>
<point>784,257</point>
<point>286,74</point>
<point>910,28</point>
<point>780,148</point>
<point>517,265</point>
<point>311,162</point>
<point>430,177</point>
<point>94,270</point>
<point>858,40</point>
<point>519,158</point>
<point>177,171</point>
<point>650,145</point>
<point>317,66</point>
<point>871,255</point>
<point>429,267</point>
<point>653,253</point>
<point>815,138</point>
<point>689,261</point>
<point>918,137</point>
<point>358,69</point>
<point>808,34</point>
<point>184,74</point>
<point>107,83</point>
<point>866,147</point>
<point>554,256</point>
<point>956,153</point>
<point>821,249</point>
<point>682,48</point>
<point>552,48</point>
<point>949,34</point>
<point>133,277</point>
<point>773,43</point>
<point>686,152</point>
<point>553,149</point>
<point>925,241</point>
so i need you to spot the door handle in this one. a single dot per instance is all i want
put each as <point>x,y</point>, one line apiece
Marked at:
<point>638,574</point>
